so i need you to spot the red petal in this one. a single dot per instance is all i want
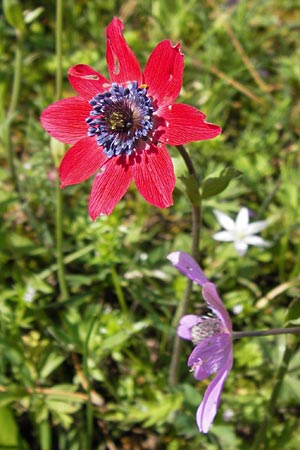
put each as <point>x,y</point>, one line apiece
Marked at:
<point>163,72</point>
<point>184,124</point>
<point>81,161</point>
<point>65,119</point>
<point>109,187</point>
<point>86,81</point>
<point>121,61</point>
<point>153,174</point>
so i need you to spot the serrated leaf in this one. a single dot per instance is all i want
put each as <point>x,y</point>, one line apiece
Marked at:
<point>118,339</point>
<point>167,406</point>
<point>11,396</point>
<point>62,406</point>
<point>214,185</point>
<point>51,363</point>
<point>150,413</point>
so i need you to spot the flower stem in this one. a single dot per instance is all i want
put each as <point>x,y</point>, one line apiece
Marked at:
<point>13,107</point>
<point>186,157</point>
<point>270,332</point>
<point>89,409</point>
<point>59,200</point>
<point>183,305</point>
<point>8,142</point>
<point>58,44</point>
<point>12,110</point>
<point>59,242</point>
<point>119,292</point>
<point>196,205</point>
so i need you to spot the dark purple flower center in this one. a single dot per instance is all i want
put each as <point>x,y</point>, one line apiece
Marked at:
<point>120,117</point>
<point>207,327</point>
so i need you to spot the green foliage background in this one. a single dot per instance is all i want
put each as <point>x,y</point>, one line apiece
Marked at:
<point>92,371</point>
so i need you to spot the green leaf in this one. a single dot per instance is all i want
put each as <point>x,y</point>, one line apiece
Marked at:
<point>214,185</point>
<point>293,314</point>
<point>51,363</point>
<point>290,389</point>
<point>13,14</point>
<point>62,411</point>
<point>118,339</point>
<point>191,188</point>
<point>151,413</point>
<point>45,435</point>
<point>9,429</point>
<point>12,395</point>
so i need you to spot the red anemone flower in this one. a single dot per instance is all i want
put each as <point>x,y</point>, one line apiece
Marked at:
<point>119,127</point>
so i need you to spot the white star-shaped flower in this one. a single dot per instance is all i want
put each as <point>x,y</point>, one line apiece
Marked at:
<point>240,232</point>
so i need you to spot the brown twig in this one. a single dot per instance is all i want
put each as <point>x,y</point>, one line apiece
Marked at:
<point>263,301</point>
<point>240,87</point>
<point>50,391</point>
<point>95,397</point>
<point>255,75</point>
<point>240,50</point>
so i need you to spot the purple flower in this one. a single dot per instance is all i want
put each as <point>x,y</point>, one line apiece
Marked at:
<point>212,337</point>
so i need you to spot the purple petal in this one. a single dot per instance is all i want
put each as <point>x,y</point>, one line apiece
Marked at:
<point>211,296</point>
<point>211,400</point>
<point>185,325</point>
<point>200,373</point>
<point>210,355</point>
<point>188,266</point>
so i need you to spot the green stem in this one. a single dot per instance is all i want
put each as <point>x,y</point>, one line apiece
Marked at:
<point>45,435</point>
<point>89,406</point>
<point>7,138</point>
<point>260,438</point>
<point>13,109</point>
<point>118,288</point>
<point>59,199</point>
<point>16,87</point>
<point>67,260</point>
<point>183,305</point>
<point>58,43</point>
<point>59,243</point>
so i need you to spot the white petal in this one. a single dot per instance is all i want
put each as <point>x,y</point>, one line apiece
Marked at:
<point>242,219</point>
<point>257,241</point>
<point>225,221</point>
<point>241,247</point>
<point>255,227</point>
<point>225,236</point>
